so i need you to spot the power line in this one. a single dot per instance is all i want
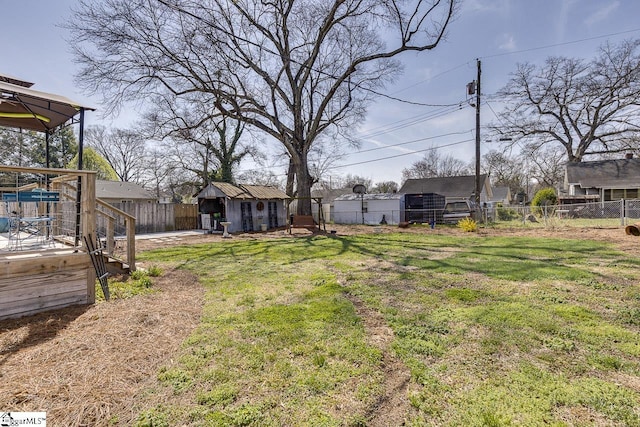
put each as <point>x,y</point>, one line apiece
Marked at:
<point>447,71</point>
<point>401,155</point>
<point>411,142</point>
<point>381,158</point>
<point>560,44</point>
<point>393,98</point>
<point>411,121</point>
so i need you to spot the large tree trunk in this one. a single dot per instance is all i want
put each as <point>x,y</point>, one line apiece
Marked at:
<point>304,181</point>
<point>291,178</point>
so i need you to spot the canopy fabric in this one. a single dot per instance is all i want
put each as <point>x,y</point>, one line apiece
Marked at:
<point>24,108</point>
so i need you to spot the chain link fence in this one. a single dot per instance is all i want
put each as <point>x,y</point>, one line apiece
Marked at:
<point>597,214</point>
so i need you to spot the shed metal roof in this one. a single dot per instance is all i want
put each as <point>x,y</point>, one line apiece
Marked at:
<point>241,191</point>
<point>370,196</point>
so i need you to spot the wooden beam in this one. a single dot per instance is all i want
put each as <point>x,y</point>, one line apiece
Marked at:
<point>63,178</point>
<point>26,187</point>
<point>24,169</point>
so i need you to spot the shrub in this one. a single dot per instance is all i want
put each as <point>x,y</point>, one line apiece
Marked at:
<point>468,224</point>
<point>155,271</point>
<point>507,214</point>
<point>544,197</point>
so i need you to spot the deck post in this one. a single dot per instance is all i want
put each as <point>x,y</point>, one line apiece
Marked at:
<point>88,222</point>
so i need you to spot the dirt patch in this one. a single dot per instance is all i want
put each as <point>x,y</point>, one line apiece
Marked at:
<point>392,408</point>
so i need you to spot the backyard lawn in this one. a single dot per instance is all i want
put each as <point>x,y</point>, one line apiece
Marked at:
<point>404,329</point>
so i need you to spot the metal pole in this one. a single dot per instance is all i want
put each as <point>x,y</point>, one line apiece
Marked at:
<point>79,190</point>
<point>478,140</point>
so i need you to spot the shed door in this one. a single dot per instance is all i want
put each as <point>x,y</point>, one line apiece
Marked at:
<point>273,214</point>
<point>246,218</point>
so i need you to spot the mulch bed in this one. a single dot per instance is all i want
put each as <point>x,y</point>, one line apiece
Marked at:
<point>84,365</point>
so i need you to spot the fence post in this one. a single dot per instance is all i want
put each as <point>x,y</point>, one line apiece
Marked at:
<point>622,211</point>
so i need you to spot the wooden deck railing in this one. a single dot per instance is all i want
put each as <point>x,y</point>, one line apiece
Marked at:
<point>110,213</point>
<point>95,216</point>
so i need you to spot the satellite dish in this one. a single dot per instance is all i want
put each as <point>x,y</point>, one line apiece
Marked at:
<point>359,189</point>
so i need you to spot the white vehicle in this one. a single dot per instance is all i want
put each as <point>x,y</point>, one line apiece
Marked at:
<point>455,211</point>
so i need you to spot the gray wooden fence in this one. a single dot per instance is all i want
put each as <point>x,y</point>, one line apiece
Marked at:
<point>159,217</point>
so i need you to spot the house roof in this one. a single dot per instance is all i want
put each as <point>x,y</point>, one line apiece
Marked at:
<point>122,190</point>
<point>451,186</point>
<point>329,195</point>
<point>241,191</point>
<point>370,196</point>
<point>501,193</point>
<point>620,173</point>
<point>24,108</point>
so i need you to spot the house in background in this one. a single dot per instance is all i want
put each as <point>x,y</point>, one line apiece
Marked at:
<point>425,197</point>
<point>371,209</point>
<point>246,207</point>
<point>501,195</point>
<point>123,192</point>
<point>601,181</point>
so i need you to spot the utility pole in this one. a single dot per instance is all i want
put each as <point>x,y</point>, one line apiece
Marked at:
<point>478,142</point>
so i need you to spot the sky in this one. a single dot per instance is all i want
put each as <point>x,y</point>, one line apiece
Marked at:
<point>499,33</point>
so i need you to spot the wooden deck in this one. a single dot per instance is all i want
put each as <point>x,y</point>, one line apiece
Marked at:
<point>35,279</point>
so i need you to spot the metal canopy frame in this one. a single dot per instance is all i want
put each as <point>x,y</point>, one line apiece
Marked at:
<point>24,108</point>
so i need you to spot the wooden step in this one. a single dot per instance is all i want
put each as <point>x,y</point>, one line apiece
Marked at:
<point>116,266</point>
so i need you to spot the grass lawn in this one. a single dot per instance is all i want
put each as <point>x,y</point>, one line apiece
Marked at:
<point>491,331</point>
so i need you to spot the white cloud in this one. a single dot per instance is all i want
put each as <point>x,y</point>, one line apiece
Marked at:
<point>507,42</point>
<point>602,14</point>
<point>562,20</point>
<point>486,5</point>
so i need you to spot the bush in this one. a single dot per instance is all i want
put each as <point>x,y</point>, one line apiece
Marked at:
<point>544,197</point>
<point>468,224</point>
<point>507,214</point>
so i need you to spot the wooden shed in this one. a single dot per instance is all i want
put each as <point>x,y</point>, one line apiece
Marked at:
<point>246,207</point>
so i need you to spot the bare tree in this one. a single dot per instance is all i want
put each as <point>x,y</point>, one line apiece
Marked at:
<point>261,176</point>
<point>546,166</point>
<point>385,187</point>
<point>506,171</point>
<point>163,173</point>
<point>217,142</point>
<point>292,69</point>
<point>435,164</point>
<point>124,149</point>
<point>350,180</point>
<point>584,107</point>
